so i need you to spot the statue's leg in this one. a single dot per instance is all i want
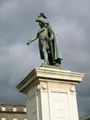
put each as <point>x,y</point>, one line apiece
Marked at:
<point>46,62</point>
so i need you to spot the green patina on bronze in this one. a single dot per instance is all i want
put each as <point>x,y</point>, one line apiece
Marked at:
<point>48,44</point>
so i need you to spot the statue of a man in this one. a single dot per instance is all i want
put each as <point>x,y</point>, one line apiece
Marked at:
<point>48,46</point>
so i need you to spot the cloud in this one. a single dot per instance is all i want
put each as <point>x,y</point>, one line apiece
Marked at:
<point>70,21</point>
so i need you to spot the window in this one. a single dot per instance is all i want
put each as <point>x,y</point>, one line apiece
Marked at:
<point>24,109</point>
<point>14,109</point>
<point>3,108</point>
<point>25,118</point>
<point>3,118</point>
<point>15,119</point>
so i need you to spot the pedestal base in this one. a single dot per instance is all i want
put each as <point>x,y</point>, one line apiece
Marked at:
<point>51,94</point>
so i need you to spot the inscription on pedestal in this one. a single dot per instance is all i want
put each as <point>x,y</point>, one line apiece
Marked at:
<point>59,106</point>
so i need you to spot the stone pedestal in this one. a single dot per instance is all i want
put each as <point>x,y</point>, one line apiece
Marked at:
<point>51,94</point>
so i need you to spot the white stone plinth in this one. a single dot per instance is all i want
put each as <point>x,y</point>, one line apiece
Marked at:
<point>51,94</point>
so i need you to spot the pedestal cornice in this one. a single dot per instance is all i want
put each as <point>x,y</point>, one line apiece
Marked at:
<point>49,74</point>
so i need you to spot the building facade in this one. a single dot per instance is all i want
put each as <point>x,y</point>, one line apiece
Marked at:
<point>12,112</point>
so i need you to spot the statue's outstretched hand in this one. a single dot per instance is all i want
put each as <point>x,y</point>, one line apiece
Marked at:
<point>28,42</point>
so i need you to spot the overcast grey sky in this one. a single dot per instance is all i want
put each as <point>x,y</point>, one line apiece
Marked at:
<point>70,20</point>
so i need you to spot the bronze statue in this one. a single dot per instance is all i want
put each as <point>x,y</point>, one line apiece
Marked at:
<point>48,46</point>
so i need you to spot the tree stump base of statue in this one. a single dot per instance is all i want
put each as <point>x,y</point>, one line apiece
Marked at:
<point>51,94</point>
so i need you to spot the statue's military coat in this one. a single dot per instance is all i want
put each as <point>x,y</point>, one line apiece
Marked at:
<point>52,46</point>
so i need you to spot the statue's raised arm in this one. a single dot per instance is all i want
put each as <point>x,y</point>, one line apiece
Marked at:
<point>30,41</point>
<point>48,45</point>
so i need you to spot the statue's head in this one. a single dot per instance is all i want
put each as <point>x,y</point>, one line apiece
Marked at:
<point>43,15</point>
<point>40,19</point>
